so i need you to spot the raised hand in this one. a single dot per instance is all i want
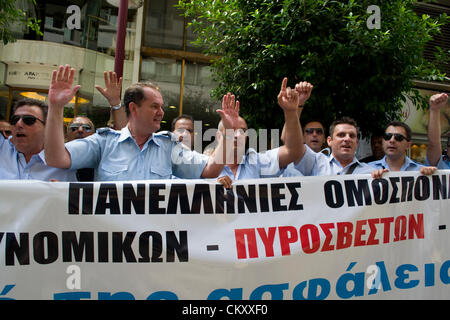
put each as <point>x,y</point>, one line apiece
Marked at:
<point>60,91</point>
<point>113,88</point>
<point>437,101</point>
<point>229,112</point>
<point>304,92</point>
<point>288,98</point>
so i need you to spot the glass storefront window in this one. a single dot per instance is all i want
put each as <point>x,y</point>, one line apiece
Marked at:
<point>96,29</point>
<point>81,33</point>
<point>197,100</point>
<point>164,26</point>
<point>165,73</point>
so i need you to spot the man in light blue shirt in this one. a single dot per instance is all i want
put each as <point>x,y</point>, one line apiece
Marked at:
<point>343,141</point>
<point>396,141</point>
<point>250,164</point>
<point>434,150</point>
<point>136,152</point>
<point>22,155</point>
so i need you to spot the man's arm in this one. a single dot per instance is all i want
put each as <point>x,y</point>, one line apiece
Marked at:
<point>288,99</point>
<point>230,119</point>
<point>434,149</point>
<point>59,94</point>
<point>112,92</point>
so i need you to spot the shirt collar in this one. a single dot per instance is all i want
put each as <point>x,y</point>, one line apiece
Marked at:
<point>332,159</point>
<point>407,164</point>
<point>126,134</point>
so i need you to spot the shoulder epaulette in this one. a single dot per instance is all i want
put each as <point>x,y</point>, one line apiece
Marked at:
<point>164,133</point>
<point>106,130</point>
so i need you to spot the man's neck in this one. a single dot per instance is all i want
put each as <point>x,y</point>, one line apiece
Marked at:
<point>396,163</point>
<point>28,155</point>
<point>343,161</point>
<point>140,137</point>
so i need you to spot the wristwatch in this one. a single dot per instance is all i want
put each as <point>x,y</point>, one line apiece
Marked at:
<point>116,107</point>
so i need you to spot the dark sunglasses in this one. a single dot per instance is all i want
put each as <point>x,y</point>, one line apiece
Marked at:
<point>311,130</point>
<point>397,136</point>
<point>74,127</point>
<point>28,119</point>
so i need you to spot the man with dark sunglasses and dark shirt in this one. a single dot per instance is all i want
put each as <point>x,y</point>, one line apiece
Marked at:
<point>22,154</point>
<point>396,141</point>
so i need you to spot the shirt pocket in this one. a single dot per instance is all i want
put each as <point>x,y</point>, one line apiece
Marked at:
<point>161,172</point>
<point>112,171</point>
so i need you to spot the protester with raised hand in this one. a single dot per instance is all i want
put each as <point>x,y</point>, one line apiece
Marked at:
<point>250,164</point>
<point>136,152</point>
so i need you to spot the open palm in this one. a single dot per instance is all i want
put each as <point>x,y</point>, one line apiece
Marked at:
<point>229,112</point>
<point>60,91</point>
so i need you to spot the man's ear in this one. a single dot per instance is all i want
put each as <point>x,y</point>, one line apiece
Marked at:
<point>329,140</point>
<point>132,107</point>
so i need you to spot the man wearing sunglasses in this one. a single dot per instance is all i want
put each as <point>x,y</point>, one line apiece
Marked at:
<point>435,156</point>
<point>314,135</point>
<point>22,155</point>
<point>79,127</point>
<point>396,141</point>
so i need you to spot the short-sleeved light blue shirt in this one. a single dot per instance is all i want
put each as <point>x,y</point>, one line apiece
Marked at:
<point>116,156</point>
<point>443,164</point>
<point>319,164</point>
<point>409,164</point>
<point>255,165</point>
<point>13,166</point>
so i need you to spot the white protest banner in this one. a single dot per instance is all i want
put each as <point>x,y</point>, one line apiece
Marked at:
<point>336,237</point>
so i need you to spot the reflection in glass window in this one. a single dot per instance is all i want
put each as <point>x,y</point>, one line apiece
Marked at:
<point>166,73</point>
<point>197,100</point>
<point>163,25</point>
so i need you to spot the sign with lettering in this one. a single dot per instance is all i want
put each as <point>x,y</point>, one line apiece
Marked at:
<point>30,76</point>
<point>334,237</point>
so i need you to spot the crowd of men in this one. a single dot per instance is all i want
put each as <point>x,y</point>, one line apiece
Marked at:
<point>34,145</point>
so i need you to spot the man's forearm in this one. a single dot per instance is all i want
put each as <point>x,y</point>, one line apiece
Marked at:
<point>216,161</point>
<point>293,149</point>
<point>283,133</point>
<point>119,118</point>
<point>434,137</point>
<point>56,154</point>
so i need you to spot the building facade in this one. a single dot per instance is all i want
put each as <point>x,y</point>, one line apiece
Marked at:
<point>157,48</point>
<point>83,35</point>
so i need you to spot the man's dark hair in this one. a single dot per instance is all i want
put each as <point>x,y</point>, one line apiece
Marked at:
<point>183,116</point>
<point>32,102</point>
<point>343,120</point>
<point>135,93</point>
<point>404,126</point>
